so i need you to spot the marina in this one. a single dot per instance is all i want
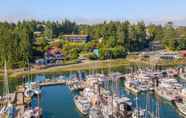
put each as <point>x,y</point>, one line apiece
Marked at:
<point>95,94</point>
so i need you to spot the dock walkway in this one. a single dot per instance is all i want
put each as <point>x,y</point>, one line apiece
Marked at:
<point>57,82</point>
<point>52,83</point>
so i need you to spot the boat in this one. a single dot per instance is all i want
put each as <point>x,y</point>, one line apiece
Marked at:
<point>8,110</point>
<point>28,113</point>
<point>181,107</point>
<point>169,89</point>
<point>164,94</point>
<point>82,104</point>
<point>61,77</point>
<point>132,86</point>
<point>37,112</point>
<point>182,76</point>
<point>95,113</point>
<point>138,113</point>
<point>32,113</point>
<point>37,91</point>
<point>29,92</point>
<point>116,107</point>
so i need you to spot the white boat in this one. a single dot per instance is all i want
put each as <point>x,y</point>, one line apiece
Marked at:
<point>82,104</point>
<point>37,112</point>
<point>163,93</point>
<point>61,77</point>
<point>183,76</point>
<point>37,91</point>
<point>181,107</point>
<point>28,114</point>
<point>29,92</point>
<point>95,113</point>
<point>132,86</point>
<point>138,113</point>
<point>8,109</point>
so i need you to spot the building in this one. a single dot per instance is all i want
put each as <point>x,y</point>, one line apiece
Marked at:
<point>155,45</point>
<point>169,55</point>
<point>54,55</point>
<point>37,33</point>
<point>77,38</point>
<point>182,53</point>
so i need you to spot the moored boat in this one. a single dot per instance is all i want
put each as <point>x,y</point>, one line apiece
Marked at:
<point>132,86</point>
<point>82,104</point>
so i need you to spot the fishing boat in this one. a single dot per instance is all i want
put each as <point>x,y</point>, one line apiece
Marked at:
<point>82,104</point>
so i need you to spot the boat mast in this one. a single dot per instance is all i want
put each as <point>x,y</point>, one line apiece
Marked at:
<point>157,110</point>
<point>147,113</point>
<point>112,86</point>
<point>6,86</point>
<point>137,108</point>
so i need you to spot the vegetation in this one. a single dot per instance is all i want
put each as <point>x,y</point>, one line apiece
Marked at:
<point>28,40</point>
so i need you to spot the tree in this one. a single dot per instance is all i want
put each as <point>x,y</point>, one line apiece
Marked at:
<point>169,37</point>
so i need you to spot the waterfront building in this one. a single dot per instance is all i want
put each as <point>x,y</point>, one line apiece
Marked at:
<point>53,55</point>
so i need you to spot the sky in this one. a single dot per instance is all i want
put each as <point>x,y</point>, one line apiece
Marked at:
<point>94,11</point>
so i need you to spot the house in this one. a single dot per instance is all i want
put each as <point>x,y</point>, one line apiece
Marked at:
<point>37,33</point>
<point>53,55</point>
<point>39,61</point>
<point>77,38</point>
<point>155,45</point>
<point>169,55</point>
<point>182,53</point>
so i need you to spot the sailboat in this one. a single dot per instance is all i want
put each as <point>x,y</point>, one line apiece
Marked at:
<point>8,110</point>
<point>29,92</point>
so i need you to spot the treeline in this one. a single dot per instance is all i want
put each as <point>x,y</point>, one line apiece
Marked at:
<point>15,43</point>
<point>136,37</point>
<point>18,43</point>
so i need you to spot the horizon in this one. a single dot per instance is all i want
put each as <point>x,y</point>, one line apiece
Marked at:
<point>94,12</point>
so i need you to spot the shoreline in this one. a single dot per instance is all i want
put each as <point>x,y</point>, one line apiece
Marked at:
<point>74,67</point>
<point>98,64</point>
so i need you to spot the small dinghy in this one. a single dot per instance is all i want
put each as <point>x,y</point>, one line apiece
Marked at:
<point>37,91</point>
<point>29,92</point>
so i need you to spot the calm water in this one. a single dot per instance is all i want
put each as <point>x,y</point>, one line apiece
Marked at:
<point>57,101</point>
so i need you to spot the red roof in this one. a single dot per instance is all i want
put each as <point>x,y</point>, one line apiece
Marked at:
<point>53,50</point>
<point>183,53</point>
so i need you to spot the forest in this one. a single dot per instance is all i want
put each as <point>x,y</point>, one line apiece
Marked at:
<point>19,44</point>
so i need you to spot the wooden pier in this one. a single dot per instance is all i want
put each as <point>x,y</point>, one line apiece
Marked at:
<point>56,82</point>
<point>52,83</point>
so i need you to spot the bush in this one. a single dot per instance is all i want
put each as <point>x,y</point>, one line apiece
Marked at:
<point>109,53</point>
<point>74,53</point>
<point>89,55</point>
